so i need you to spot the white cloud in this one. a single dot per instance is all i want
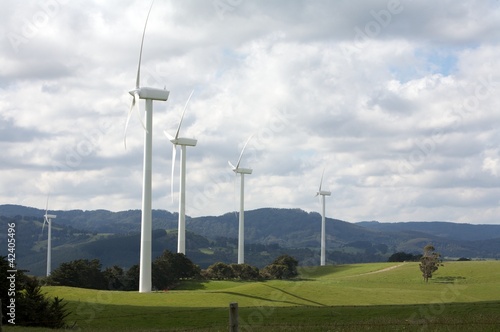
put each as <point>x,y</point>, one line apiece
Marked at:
<point>400,109</point>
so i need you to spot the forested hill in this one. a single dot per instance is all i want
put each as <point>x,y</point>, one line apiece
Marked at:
<point>290,227</point>
<point>458,231</point>
<point>97,221</point>
<point>268,231</point>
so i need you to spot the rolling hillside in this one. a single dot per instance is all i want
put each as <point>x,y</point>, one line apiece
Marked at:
<point>356,297</point>
<point>113,237</point>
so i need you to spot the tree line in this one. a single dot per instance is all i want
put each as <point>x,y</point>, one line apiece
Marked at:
<point>168,270</point>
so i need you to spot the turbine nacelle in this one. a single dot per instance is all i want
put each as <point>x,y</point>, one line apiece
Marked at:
<point>243,170</point>
<point>151,93</point>
<point>184,141</point>
<point>50,216</point>
<point>239,170</point>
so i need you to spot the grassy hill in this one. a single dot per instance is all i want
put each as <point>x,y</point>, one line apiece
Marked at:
<point>378,296</point>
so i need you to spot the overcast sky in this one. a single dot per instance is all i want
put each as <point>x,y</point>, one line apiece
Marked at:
<point>396,100</point>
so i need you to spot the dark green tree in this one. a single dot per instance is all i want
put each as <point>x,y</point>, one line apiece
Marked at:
<point>403,257</point>
<point>219,271</point>
<point>274,271</point>
<point>132,278</point>
<point>245,272</point>
<point>33,308</point>
<point>283,267</point>
<point>115,277</point>
<point>81,273</point>
<point>429,262</point>
<point>169,268</point>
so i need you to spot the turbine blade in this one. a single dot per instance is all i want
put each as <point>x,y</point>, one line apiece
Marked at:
<point>321,182</point>
<point>170,137</point>
<point>231,164</point>
<point>182,117</point>
<point>45,219</point>
<point>136,97</point>
<point>47,205</point>
<point>243,150</point>
<point>174,152</point>
<point>43,225</point>
<point>128,120</point>
<point>138,79</point>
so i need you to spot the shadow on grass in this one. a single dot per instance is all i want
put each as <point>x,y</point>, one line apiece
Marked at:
<point>191,285</point>
<point>447,279</point>
<point>258,298</point>
<point>298,297</point>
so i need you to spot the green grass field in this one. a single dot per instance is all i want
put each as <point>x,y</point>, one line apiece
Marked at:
<point>462,296</point>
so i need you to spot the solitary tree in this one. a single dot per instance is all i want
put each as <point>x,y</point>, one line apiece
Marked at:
<point>429,262</point>
<point>283,267</point>
<point>170,267</point>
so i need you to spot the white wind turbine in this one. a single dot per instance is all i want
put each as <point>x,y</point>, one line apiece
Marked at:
<point>47,218</point>
<point>241,229</point>
<point>183,142</point>
<point>149,94</point>
<point>323,193</point>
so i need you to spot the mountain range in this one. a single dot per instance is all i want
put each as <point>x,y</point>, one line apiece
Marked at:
<point>113,237</point>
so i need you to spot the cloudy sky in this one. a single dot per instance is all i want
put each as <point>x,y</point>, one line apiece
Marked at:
<point>396,100</point>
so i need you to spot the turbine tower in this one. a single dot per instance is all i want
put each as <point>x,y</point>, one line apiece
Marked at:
<point>183,142</point>
<point>323,193</point>
<point>241,229</point>
<point>47,218</point>
<point>149,94</point>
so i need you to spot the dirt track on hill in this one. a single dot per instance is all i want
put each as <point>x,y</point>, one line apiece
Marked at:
<point>383,270</point>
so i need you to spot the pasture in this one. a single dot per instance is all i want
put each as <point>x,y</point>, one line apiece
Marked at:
<point>461,296</point>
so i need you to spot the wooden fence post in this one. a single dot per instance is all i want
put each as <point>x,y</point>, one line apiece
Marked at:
<point>233,317</point>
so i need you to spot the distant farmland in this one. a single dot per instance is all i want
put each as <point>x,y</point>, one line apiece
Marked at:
<point>462,296</point>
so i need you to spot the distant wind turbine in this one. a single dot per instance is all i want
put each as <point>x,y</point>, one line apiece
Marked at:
<point>183,142</point>
<point>149,94</point>
<point>47,218</point>
<point>241,231</point>
<point>323,193</point>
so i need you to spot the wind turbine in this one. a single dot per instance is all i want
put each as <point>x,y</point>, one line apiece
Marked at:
<point>149,94</point>
<point>47,218</point>
<point>323,193</point>
<point>183,142</point>
<point>241,231</point>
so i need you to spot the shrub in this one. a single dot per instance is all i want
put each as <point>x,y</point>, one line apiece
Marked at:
<point>32,307</point>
